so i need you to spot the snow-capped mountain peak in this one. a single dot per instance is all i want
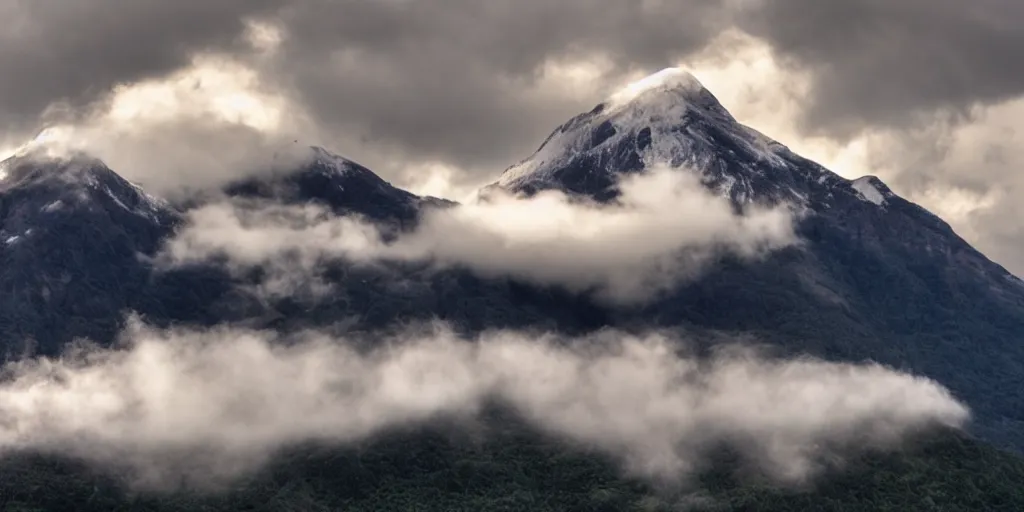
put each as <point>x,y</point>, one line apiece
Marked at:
<point>667,119</point>
<point>670,120</point>
<point>314,174</point>
<point>871,189</point>
<point>670,88</point>
<point>39,183</point>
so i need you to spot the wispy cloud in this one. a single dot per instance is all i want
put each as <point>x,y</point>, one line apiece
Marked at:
<point>665,228</point>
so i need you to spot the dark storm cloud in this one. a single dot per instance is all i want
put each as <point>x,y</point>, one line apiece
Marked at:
<point>894,62</point>
<point>442,79</point>
<point>431,77</point>
<point>451,79</point>
<point>932,82</point>
<point>459,81</point>
<point>75,52</point>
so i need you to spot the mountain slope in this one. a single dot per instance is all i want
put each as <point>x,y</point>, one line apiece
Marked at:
<point>71,232</point>
<point>78,240</point>
<point>339,184</point>
<point>435,468</point>
<point>878,277</point>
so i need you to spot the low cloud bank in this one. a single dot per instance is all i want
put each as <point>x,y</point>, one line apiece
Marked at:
<point>666,227</point>
<point>210,405</point>
<point>192,156</point>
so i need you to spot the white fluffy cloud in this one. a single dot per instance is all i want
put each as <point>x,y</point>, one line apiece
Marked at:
<point>666,227</point>
<point>195,130</point>
<point>214,404</point>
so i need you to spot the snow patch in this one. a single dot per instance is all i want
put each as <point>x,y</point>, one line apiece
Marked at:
<point>666,79</point>
<point>728,182</point>
<point>117,200</point>
<point>765,148</point>
<point>152,204</point>
<point>799,195</point>
<point>12,239</point>
<point>54,206</point>
<point>331,163</point>
<point>868,191</point>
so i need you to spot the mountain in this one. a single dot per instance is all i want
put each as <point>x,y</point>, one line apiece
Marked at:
<point>340,184</point>
<point>438,468</point>
<point>78,255</point>
<point>71,231</point>
<point>878,277</point>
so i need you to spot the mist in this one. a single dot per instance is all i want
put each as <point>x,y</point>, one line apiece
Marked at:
<point>666,227</point>
<point>204,406</point>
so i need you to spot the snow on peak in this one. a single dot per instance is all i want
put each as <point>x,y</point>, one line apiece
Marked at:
<point>53,142</point>
<point>329,162</point>
<point>668,118</point>
<point>668,79</point>
<point>73,179</point>
<point>867,190</point>
<point>68,167</point>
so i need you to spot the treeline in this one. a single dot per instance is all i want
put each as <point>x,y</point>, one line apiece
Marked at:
<point>509,468</point>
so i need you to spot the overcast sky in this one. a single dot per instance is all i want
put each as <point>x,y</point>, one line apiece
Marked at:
<point>442,95</point>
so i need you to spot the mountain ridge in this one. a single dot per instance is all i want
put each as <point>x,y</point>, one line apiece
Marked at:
<point>878,277</point>
<point>599,146</point>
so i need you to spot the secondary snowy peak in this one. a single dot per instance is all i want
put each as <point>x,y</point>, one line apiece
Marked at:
<point>35,166</point>
<point>317,175</point>
<point>320,160</point>
<point>43,196</point>
<point>73,181</point>
<point>872,190</point>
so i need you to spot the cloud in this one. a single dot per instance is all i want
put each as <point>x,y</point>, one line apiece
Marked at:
<point>409,86</point>
<point>891,64</point>
<point>211,405</point>
<point>666,228</point>
<point>195,130</point>
<point>60,57</point>
<point>968,173</point>
<point>424,76</point>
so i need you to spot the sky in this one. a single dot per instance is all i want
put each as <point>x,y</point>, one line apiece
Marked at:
<point>441,95</point>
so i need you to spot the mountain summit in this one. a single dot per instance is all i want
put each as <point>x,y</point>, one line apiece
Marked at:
<point>335,182</point>
<point>669,119</point>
